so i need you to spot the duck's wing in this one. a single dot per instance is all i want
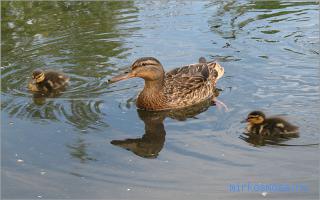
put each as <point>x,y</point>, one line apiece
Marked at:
<point>56,79</point>
<point>189,84</point>
<point>194,73</point>
<point>188,77</point>
<point>281,126</point>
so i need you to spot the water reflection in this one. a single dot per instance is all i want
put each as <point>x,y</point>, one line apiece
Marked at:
<point>262,21</point>
<point>81,114</point>
<point>260,140</point>
<point>79,151</point>
<point>231,13</point>
<point>152,142</point>
<point>40,98</point>
<point>85,40</point>
<point>89,41</point>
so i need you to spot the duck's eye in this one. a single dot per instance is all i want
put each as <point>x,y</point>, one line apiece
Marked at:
<point>252,117</point>
<point>144,64</point>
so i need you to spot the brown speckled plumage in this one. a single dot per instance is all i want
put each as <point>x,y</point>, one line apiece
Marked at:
<point>272,126</point>
<point>178,88</point>
<point>51,81</point>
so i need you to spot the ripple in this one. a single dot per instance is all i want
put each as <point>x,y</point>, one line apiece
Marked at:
<point>84,53</point>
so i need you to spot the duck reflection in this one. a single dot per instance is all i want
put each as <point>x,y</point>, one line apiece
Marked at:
<point>152,142</point>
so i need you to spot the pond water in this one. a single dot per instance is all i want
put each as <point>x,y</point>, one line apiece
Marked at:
<point>76,145</point>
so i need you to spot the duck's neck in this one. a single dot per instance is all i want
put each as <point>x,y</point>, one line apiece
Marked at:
<point>152,96</point>
<point>153,86</point>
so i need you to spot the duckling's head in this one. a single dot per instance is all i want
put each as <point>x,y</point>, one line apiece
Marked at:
<point>38,75</point>
<point>255,117</point>
<point>148,68</point>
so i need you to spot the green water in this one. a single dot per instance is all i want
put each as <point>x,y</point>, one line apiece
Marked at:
<point>75,145</point>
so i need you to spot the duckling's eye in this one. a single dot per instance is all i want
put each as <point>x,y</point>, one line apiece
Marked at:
<point>144,64</point>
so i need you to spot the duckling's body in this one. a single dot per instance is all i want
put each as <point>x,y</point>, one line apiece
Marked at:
<point>178,88</point>
<point>47,81</point>
<point>273,126</point>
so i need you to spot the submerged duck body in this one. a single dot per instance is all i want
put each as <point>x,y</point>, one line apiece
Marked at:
<point>178,88</point>
<point>273,126</point>
<point>47,81</point>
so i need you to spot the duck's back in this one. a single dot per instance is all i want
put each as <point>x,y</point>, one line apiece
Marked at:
<point>190,84</point>
<point>279,126</point>
<point>56,80</point>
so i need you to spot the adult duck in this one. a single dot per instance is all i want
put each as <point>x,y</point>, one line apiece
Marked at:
<point>178,88</point>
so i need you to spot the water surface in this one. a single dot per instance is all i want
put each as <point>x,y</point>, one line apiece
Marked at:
<point>75,145</point>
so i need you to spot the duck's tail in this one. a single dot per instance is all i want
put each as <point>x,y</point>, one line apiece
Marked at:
<point>216,69</point>
<point>213,66</point>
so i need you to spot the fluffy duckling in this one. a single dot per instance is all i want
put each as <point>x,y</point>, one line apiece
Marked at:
<point>259,124</point>
<point>47,81</point>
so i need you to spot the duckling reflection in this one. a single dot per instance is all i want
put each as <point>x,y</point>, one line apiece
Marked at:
<point>261,130</point>
<point>152,142</point>
<point>79,151</point>
<point>40,98</point>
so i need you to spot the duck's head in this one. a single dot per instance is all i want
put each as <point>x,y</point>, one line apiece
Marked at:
<point>255,117</point>
<point>148,68</point>
<point>38,75</point>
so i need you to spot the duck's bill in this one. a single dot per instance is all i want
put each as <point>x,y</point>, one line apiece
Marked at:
<point>121,77</point>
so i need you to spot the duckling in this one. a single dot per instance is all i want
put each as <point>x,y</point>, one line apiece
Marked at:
<point>273,126</point>
<point>179,88</point>
<point>47,81</point>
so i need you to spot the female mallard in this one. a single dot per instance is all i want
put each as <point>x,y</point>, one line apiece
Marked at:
<point>47,81</point>
<point>273,126</point>
<point>178,88</point>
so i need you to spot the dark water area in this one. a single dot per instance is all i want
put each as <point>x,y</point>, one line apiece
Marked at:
<point>92,143</point>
